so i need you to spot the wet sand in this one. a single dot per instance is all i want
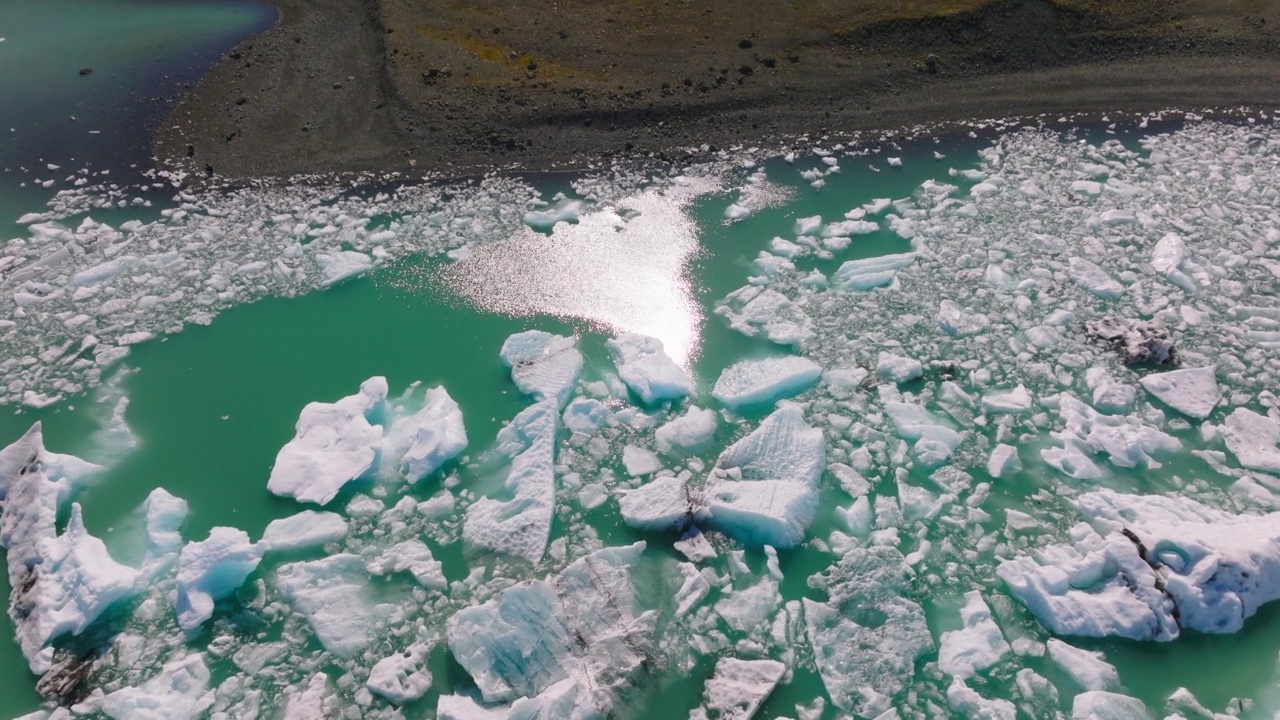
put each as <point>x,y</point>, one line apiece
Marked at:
<point>455,88</point>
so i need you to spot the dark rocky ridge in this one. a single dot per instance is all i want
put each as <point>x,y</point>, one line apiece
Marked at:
<point>458,87</point>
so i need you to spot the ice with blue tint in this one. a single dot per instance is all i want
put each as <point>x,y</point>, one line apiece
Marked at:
<point>582,634</point>
<point>645,368</point>
<point>765,380</point>
<point>870,273</point>
<point>210,570</point>
<point>335,444</point>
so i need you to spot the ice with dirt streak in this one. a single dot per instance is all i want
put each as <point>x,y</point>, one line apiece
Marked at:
<point>210,570</point>
<point>428,438</point>
<point>765,380</point>
<point>644,366</point>
<point>582,635</point>
<point>763,489</point>
<point>1148,567</point>
<point>335,444</point>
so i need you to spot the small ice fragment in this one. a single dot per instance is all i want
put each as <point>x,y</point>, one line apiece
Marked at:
<point>403,676</point>
<point>737,688</point>
<point>210,570</point>
<point>688,434</point>
<point>662,504</point>
<point>1087,668</point>
<point>978,645</point>
<point>1011,402</point>
<point>1003,461</point>
<point>898,369</point>
<point>543,365</point>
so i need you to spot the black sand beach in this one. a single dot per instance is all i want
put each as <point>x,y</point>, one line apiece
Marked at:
<point>455,87</point>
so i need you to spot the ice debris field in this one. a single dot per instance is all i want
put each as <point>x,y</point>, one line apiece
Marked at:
<point>962,479</point>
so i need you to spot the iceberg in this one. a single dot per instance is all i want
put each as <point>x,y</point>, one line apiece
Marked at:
<point>338,266</point>
<point>1087,668</point>
<point>543,365</point>
<point>586,415</point>
<point>179,692</point>
<point>662,504</point>
<point>1099,705</point>
<point>898,369</point>
<point>765,380</point>
<point>870,273</point>
<point>428,438</point>
<point>1147,567</point>
<point>582,637</point>
<point>210,570</point>
<point>737,688</point>
<point>1094,279</point>
<point>978,645</point>
<point>330,594</point>
<point>520,526</point>
<point>764,488</point>
<point>1194,392</point>
<point>1253,439</point>
<point>960,322</point>
<point>335,444</point>
<point>688,434</point>
<point>867,637</point>
<point>415,557</point>
<point>1125,440</point>
<point>307,529</point>
<point>165,516</point>
<point>645,368</point>
<point>402,677</point>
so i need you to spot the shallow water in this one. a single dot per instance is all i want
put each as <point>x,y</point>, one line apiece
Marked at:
<point>213,397</point>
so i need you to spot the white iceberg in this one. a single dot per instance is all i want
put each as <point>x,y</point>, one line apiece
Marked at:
<point>1194,392</point>
<point>645,368</point>
<point>1253,439</point>
<point>414,557</point>
<point>307,529</point>
<point>330,594</point>
<point>688,434</point>
<point>335,444</point>
<point>403,676</point>
<point>179,692</point>
<point>520,526</point>
<point>737,688</point>
<point>428,438</point>
<point>764,488</point>
<point>978,645</point>
<point>898,369</point>
<point>764,380</point>
<point>543,365</point>
<point>665,503</point>
<point>754,310</point>
<point>870,273</point>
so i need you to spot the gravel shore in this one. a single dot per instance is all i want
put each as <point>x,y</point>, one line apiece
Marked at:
<point>455,88</point>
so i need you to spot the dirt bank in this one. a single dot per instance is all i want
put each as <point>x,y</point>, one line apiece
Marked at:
<point>455,87</point>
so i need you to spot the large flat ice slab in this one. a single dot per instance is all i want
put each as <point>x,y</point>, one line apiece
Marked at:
<point>737,688</point>
<point>330,594</point>
<point>764,488</point>
<point>521,525</point>
<point>1194,392</point>
<point>335,444</point>
<point>179,692</point>
<point>584,626</point>
<point>1254,439</point>
<point>543,365</point>
<point>764,380</point>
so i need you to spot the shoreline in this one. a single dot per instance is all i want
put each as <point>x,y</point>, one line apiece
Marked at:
<point>351,86</point>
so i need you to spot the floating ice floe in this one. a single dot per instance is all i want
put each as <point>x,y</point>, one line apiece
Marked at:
<point>687,434</point>
<point>868,659</point>
<point>1126,441</point>
<point>978,645</point>
<point>898,369</point>
<point>764,488</point>
<point>309,528</point>
<point>179,692</point>
<point>1148,567</point>
<point>870,273</point>
<point>576,641</point>
<point>335,444</point>
<point>330,594</point>
<point>737,688</point>
<point>1254,439</point>
<point>765,380</point>
<point>428,438</point>
<point>647,370</point>
<point>1194,392</point>
<point>543,365</point>
<point>402,677</point>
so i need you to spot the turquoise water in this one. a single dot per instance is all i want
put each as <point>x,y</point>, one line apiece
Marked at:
<point>211,401</point>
